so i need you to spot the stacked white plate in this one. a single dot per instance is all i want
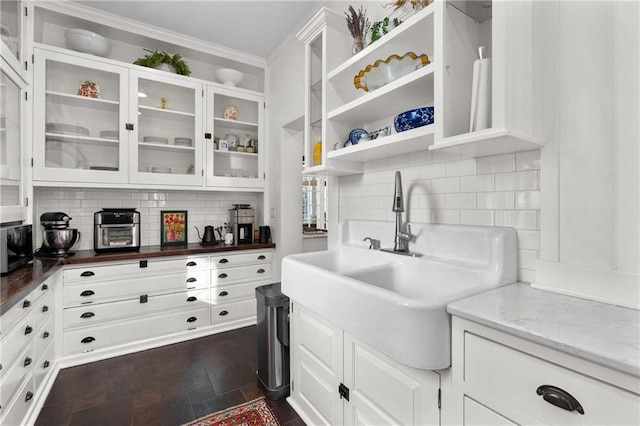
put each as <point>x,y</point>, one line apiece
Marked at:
<point>182,142</point>
<point>110,134</point>
<point>66,129</point>
<point>155,139</point>
<point>161,170</point>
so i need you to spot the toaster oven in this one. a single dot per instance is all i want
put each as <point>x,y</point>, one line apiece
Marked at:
<point>116,230</point>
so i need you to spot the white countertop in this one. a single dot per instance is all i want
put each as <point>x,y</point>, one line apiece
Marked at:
<point>599,332</point>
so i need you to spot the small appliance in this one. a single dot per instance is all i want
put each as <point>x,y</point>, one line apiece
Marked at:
<point>116,230</point>
<point>242,217</point>
<point>264,235</point>
<point>57,237</point>
<point>16,246</point>
<point>208,238</point>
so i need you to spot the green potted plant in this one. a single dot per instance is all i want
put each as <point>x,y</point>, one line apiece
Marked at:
<point>156,58</point>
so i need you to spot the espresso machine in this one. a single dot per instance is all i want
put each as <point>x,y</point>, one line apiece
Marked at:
<point>242,218</point>
<point>57,237</point>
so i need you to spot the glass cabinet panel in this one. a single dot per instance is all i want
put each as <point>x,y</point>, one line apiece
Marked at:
<point>80,128</point>
<point>313,148</point>
<point>234,155</point>
<point>169,130</point>
<point>10,31</point>
<point>11,172</point>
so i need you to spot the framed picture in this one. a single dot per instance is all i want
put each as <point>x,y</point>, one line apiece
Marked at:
<point>223,145</point>
<point>173,227</point>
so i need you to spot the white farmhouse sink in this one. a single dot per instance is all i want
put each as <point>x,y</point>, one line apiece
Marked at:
<point>395,303</point>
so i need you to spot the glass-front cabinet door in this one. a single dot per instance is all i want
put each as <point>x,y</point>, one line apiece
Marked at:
<point>12,110</point>
<point>11,35</point>
<point>79,122</point>
<point>235,130</point>
<point>166,144</point>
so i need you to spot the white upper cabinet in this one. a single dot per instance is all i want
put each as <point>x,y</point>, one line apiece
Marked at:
<point>235,138</point>
<point>12,34</point>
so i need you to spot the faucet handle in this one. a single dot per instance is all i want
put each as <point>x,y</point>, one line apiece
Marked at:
<point>373,243</point>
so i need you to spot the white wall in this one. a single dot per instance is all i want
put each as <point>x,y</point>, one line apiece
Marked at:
<point>501,190</point>
<point>204,208</point>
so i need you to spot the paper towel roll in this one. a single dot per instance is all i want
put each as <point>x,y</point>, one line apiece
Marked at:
<point>481,95</point>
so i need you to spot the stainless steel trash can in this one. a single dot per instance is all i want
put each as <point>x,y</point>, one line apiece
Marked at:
<point>273,340</point>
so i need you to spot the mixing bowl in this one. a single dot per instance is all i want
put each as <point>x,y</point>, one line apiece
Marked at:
<point>60,239</point>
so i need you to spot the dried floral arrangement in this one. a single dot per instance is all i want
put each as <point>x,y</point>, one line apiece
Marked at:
<point>416,4</point>
<point>357,23</point>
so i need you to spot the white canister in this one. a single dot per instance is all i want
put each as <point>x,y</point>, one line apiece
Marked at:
<point>228,238</point>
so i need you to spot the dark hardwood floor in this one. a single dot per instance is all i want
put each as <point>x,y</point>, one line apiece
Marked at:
<point>170,385</point>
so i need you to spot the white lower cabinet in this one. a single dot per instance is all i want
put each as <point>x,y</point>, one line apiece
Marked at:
<point>339,379</point>
<point>502,379</point>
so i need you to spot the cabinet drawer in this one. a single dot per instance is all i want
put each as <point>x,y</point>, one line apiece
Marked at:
<point>477,414</point>
<point>514,377</point>
<point>14,342</point>
<point>44,336</point>
<point>228,293</point>
<point>88,339</point>
<point>42,289</point>
<point>43,309</point>
<point>16,373</point>
<point>225,276</point>
<point>17,409</point>
<point>141,267</point>
<point>228,312</point>
<point>241,258</point>
<point>43,366</point>
<point>10,318</point>
<point>97,313</point>
<point>85,293</point>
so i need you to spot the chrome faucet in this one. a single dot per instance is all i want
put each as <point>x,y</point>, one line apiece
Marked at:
<point>402,236</point>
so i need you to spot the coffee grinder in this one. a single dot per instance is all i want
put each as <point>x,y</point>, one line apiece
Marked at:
<point>242,218</point>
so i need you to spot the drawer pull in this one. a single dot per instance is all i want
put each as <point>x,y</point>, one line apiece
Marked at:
<point>45,308</point>
<point>261,271</point>
<point>87,315</point>
<point>559,398</point>
<point>192,280</point>
<point>87,293</point>
<point>45,334</point>
<point>223,313</point>
<point>45,287</point>
<point>192,319</point>
<point>87,274</point>
<point>192,299</point>
<point>27,361</point>
<point>88,339</point>
<point>223,261</point>
<point>28,330</point>
<point>26,304</point>
<point>223,293</point>
<point>222,276</point>
<point>262,257</point>
<point>28,396</point>
<point>192,263</point>
<point>46,364</point>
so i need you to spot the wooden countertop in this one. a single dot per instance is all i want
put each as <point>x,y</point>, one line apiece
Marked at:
<point>22,281</point>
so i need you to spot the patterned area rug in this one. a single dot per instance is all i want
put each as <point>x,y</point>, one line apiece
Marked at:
<point>256,412</point>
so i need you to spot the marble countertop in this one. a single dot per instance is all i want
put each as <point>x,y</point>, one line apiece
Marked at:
<point>595,331</point>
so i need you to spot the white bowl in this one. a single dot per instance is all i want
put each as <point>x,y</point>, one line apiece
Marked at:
<point>87,42</point>
<point>229,76</point>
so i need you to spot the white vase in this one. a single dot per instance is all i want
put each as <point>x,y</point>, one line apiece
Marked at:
<point>166,67</point>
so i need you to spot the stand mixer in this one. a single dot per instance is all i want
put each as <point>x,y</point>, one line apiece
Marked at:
<point>57,237</point>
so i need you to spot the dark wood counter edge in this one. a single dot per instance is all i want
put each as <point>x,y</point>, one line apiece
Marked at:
<point>25,279</point>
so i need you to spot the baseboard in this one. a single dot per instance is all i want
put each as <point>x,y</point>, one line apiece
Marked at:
<point>41,396</point>
<point>602,285</point>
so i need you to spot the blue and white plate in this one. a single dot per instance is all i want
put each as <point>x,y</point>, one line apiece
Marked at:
<point>413,118</point>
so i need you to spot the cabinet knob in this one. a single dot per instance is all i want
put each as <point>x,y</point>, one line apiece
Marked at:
<point>87,315</point>
<point>87,293</point>
<point>87,274</point>
<point>560,398</point>
<point>45,334</point>
<point>45,287</point>
<point>26,304</point>
<point>144,298</point>
<point>88,339</point>
<point>45,308</point>
<point>192,299</point>
<point>28,396</point>
<point>192,319</point>
<point>46,364</point>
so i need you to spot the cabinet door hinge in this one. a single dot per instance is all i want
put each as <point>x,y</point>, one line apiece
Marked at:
<point>33,59</point>
<point>264,105</point>
<point>293,387</point>
<point>343,391</point>
<point>264,176</point>
<point>26,11</point>
<point>26,66</point>
<point>439,398</point>
<point>31,161</point>
<point>26,95</point>
<point>203,93</point>
<point>26,202</point>
<point>202,172</point>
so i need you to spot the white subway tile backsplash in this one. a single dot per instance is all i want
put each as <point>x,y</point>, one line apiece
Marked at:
<point>461,167</point>
<point>432,171</point>
<point>451,217</point>
<point>445,185</point>
<point>460,201</point>
<point>529,160</point>
<point>517,181</point>
<point>527,200</point>
<point>528,240</point>
<point>477,183</point>
<point>495,200</point>
<point>419,158</point>
<point>527,259</point>
<point>520,219</point>
<point>476,217</point>
<point>526,276</point>
<point>497,164</point>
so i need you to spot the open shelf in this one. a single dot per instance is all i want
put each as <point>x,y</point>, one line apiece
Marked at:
<point>164,147</point>
<point>235,124</point>
<point>159,112</point>
<point>59,137</point>
<point>236,154</point>
<point>487,142</point>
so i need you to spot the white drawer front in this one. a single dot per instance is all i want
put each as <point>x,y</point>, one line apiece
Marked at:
<point>16,410</point>
<point>15,341</point>
<point>86,339</point>
<point>514,377</point>
<point>228,312</point>
<point>85,293</point>
<point>15,375</point>
<point>43,366</point>
<point>97,313</point>
<point>141,267</point>
<point>10,318</point>
<point>225,276</point>
<point>43,309</point>
<point>224,294</point>
<point>476,414</point>
<point>42,289</point>
<point>44,336</point>
<point>236,259</point>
